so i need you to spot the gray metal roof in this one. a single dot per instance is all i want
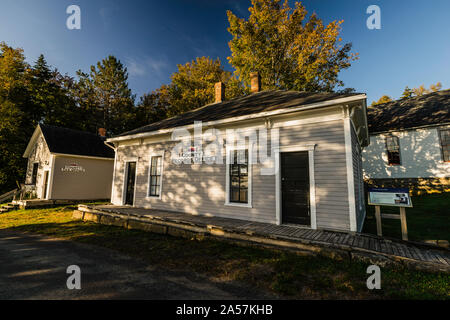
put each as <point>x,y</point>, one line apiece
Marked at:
<point>69,141</point>
<point>254,103</point>
<point>429,109</point>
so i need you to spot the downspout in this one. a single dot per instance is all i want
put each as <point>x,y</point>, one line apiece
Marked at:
<point>114,168</point>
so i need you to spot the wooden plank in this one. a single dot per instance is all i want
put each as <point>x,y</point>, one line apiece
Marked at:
<point>317,235</point>
<point>403,251</point>
<point>378,218</point>
<point>352,240</point>
<point>440,259</point>
<point>377,245</point>
<point>390,247</point>
<point>391,216</point>
<point>403,222</point>
<point>394,249</point>
<point>327,236</point>
<point>323,236</point>
<point>419,253</point>
<point>300,233</point>
<point>413,253</point>
<point>308,234</point>
<point>383,247</point>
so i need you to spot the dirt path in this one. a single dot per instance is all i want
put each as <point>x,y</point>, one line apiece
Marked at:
<point>34,267</point>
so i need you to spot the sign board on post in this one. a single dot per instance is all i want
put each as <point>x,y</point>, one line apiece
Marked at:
<point>393,197</point>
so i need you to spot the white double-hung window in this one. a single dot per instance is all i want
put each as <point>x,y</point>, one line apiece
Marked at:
<point>239,177</point>
<point>155,175</point>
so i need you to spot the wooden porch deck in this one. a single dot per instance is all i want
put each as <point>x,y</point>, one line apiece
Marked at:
<point>361,246</point>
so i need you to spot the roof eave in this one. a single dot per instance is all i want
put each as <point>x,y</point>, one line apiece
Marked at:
<point>32,141</point>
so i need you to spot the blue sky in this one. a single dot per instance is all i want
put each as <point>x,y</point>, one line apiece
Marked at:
<point>152,37</point>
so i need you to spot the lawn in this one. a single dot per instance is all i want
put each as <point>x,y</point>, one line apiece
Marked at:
<point>429,219</point>
<point>287,274</point>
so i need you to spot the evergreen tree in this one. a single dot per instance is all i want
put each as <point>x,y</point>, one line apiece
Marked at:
<point>407,93</point>
<point>104,97</point>
<point>51,96</point>
<point>153,106</point>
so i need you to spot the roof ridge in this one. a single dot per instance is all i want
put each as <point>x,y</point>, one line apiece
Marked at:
<point>410,98</point>
<point>68,129</point>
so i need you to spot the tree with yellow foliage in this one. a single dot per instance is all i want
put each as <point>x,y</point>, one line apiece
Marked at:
<point>287,49</point>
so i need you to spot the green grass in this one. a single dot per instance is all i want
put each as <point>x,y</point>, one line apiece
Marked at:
<point>284,273</point>
<point>429,219</point>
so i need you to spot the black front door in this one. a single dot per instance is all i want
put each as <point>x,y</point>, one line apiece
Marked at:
<point>295,188</point>
<point>131,180</point>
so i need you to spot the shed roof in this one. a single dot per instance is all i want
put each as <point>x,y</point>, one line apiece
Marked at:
<point>429,109</point>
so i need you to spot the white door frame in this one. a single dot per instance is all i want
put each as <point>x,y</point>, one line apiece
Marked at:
<point>125,182</point>
<point>312,184</point>
<point>46,191</point>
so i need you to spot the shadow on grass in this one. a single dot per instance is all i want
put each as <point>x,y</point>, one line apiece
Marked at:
<point>288,274</point>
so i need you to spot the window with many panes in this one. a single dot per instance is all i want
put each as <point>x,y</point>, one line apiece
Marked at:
<point>445,144</point>
<point>393,150</point>
<point>155,176</point>
<point>239,176</point>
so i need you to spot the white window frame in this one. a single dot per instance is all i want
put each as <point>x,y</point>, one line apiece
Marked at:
<point>155,154</point>
<point>312,182</point>
<point>249,203</point>
<point>125,175</point>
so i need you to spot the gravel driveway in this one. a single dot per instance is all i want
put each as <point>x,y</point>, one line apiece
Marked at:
<point>34,267</point>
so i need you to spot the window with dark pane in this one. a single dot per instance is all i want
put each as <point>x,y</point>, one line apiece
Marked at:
<point>34,173</point>
<point>239,176</point>
<point>445,144</point>
<point>393,150</point>
<point>155,176</point>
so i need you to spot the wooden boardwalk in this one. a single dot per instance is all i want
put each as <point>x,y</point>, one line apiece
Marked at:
<point>412,252</point>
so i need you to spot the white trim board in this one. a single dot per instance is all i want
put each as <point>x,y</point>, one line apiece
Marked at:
<point>350,177</point>
<point>312,182</point>
<point>125,174</point>
<point>79,156</point>
<point>51,177</point>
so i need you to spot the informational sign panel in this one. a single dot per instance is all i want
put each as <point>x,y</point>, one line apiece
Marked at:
<point>396,197</point>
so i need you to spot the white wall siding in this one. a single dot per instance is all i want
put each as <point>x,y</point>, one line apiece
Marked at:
<point>360,205</point>
<point>332,209</point>
<point>94,183</point>
<point>420,154</point>
<point>40,154</point>
<point>200,189</point>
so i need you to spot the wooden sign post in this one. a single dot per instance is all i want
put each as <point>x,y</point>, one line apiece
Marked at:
<point>390,197</point>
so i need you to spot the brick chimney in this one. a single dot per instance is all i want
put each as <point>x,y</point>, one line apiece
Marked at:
<point>255,82</point>
<point>102,132</point>
<point>219,89</point>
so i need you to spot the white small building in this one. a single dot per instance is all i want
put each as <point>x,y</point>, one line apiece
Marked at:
<point>66,164</point>
<point>410,144</point>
